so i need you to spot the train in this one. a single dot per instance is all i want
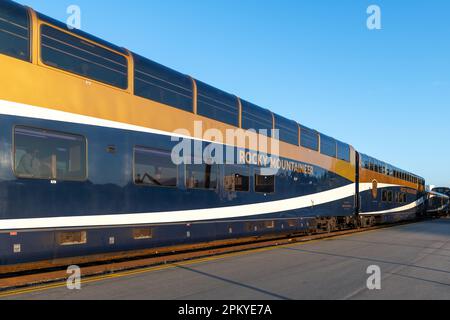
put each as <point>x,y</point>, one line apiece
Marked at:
<point>88,131</point>
<point>438,201</point>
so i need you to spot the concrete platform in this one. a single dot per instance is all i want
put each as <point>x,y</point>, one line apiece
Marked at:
<point>414,261</point>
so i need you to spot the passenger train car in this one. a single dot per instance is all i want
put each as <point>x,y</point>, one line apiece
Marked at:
<point>87,131</point>
<point>438,201</point>
<point>443,190</point>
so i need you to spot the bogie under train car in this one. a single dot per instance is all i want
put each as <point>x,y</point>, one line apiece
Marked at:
<point>86,136</point>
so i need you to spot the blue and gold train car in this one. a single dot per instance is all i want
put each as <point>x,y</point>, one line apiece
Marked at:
<point>87,133</point>
<point>389,194</point>
<point>438,201</point>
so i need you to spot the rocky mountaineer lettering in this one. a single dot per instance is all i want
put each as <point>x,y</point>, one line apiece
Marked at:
<point>261,160</point>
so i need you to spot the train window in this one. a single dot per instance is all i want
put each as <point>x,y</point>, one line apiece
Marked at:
<point>67,52</point>
<point>288,130</point>
<point>264,183</point>
<point>14,31</point>
<point>154,168</point>
<point>396,197</point>
<point>44,154</point>
<point>161,84</point>
<point>309,138</point>
<point>216,104</point>
<point>343,151</point>
<point>269,224</point>
<point>384,196</point>
<point>390,196</point>
<point>327,146</point>
<point>256,118</point>
<point>292,223</point>
<point>201,176</point>
<point>237,178</point>
<point>71,238</point>
<point>142,233</point>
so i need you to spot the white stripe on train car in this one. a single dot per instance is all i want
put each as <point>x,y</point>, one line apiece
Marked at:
<point>28,111</point>
<point>254,209</point>
<point>208,214</point>
<point>410,206</point>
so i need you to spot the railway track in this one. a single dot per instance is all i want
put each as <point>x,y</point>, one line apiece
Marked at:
<point>56,271</point>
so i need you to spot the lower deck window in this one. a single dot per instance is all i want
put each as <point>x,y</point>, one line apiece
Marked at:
<point>142,233</point>
<point>45,154</point>
<point>292,223</point>
<point>72,238</point>
<point>387,196</point>
<point>270,224</point>
<point>404,198</point>
<point>154,168</point>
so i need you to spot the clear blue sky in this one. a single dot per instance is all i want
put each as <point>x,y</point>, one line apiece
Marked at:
<point>385,92</point>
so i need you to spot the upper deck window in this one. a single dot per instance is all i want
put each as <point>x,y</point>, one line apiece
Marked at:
<point>64,51</point>
<point>14,31</point>
<point>256,118</point>
<point>158,83</point>
<point>216,104</point>
<point>44,154</point>
<point>327,146</point>
<point>288,130</point>
<point>309,138</point>
<point>343,151</point>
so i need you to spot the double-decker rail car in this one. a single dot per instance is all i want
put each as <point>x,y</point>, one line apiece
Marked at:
<point>388,194</point>
<point>87,138</point>
<point>438,202</point>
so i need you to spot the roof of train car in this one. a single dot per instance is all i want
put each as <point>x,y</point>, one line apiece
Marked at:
<point>438,194</point>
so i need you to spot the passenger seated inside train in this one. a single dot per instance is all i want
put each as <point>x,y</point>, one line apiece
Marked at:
<point>29,163</point>
<point>32,164</point>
